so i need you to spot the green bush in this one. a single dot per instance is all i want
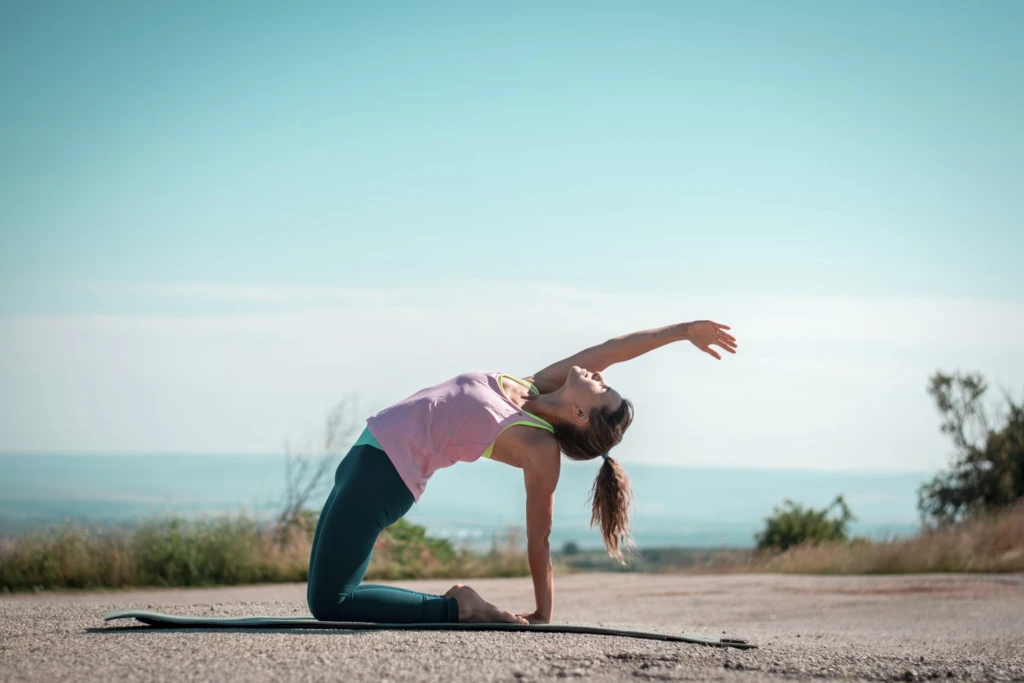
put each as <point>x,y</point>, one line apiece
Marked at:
<point>793,524</point>
<point>571,548</point>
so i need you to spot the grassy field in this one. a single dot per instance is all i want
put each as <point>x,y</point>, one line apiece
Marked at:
<point>985,543</point>
<point>223,551</point>
<point>237,550</point>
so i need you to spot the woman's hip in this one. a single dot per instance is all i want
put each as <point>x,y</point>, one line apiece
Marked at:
<point>367,481</point>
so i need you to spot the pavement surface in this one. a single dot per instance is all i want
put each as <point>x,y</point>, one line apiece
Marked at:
<point>935,627</point>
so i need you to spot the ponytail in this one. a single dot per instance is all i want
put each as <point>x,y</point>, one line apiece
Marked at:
<point>611,494</point>
<point>611,497</point>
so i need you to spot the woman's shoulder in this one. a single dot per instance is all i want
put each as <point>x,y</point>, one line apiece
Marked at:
<point>524,446</point>
<point>534,440</point>
<point>541,457</point>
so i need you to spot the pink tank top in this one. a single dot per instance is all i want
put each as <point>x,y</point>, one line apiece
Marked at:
<point>455,421</point>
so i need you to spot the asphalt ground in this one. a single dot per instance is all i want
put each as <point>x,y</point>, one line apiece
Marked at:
<point>933,627</point>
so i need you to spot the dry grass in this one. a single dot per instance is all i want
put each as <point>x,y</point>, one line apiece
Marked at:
<point>223,551</point>
<point>986,543</point>
<point>237,550</point>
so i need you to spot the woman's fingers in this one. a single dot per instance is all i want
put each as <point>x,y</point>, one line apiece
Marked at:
<point>726,342</point>
<point>709,332</point>
<point>720,330</point>
<point>725,345</point>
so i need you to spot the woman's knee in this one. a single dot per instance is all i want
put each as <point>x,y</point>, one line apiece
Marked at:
<point>325,607</point>
<point>320,611</point>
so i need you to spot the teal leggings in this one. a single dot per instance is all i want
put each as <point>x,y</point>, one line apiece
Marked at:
<point>368,495</point>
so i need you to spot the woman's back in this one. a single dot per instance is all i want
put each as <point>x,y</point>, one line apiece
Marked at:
<point>457,420</point>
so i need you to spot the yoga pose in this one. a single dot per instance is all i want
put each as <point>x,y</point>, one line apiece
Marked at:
<point>526,423</point>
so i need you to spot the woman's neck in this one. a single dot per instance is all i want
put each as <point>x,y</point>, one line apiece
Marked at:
<point>545,406</point>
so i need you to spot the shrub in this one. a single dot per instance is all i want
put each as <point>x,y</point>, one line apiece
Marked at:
<point>792,524</point>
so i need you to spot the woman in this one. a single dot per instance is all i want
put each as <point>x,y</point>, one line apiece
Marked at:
<point>526,423</point>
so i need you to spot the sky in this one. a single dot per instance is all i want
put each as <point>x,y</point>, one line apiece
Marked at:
<point>218,220</point>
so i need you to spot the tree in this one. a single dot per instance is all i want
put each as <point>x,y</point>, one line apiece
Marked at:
<point>793,524</point>
<point>987,471</point>
<point>306,469</point>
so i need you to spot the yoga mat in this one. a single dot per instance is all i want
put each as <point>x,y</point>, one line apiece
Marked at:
<point>160,620</point>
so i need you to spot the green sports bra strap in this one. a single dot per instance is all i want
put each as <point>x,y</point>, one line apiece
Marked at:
<point>524,383</point>
<point>543,424</point>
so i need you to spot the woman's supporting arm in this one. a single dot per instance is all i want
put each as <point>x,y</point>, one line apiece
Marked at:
<point>540,474</point>
<point>702,333</point>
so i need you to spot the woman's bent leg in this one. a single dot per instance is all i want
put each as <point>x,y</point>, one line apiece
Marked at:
<point>368,495</point>
<point>316,540</point>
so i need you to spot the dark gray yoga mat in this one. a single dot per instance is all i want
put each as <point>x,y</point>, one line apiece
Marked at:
<point>160,620</point>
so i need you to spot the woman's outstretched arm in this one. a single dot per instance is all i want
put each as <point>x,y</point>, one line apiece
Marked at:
<point>701,333</point>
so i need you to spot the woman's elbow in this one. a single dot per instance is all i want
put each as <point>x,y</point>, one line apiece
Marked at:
<point>539,539</point>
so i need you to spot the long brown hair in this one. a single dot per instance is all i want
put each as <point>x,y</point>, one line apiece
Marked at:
<point>611,494</point>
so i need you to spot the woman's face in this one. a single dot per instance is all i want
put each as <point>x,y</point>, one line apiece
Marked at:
<point>585,390</point>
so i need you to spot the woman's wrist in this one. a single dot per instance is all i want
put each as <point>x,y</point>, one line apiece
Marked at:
<point>681,331</point>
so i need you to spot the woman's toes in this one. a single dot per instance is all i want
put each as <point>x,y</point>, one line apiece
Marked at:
<point>496,615</point>
<point>512,618</point>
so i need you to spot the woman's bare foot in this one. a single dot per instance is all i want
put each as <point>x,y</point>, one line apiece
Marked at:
<point>474,609</point>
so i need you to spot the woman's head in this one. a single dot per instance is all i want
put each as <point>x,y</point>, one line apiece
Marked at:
<point>593,419</point>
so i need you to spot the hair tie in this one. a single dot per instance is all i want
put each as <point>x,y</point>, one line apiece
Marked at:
<point>604,455</point>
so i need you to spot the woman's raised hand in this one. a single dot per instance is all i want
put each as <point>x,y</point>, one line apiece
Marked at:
<point>704,333</point>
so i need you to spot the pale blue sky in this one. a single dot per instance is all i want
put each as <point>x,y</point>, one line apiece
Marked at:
<point>208,161</point>
<point>792,147</point>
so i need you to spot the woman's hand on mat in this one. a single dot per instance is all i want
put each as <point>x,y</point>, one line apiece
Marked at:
<point>534,618</point>
<point>474,609</point>
<point>704,333</point>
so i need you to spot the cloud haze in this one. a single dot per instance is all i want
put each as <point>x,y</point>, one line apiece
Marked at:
<point>825,383</point>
